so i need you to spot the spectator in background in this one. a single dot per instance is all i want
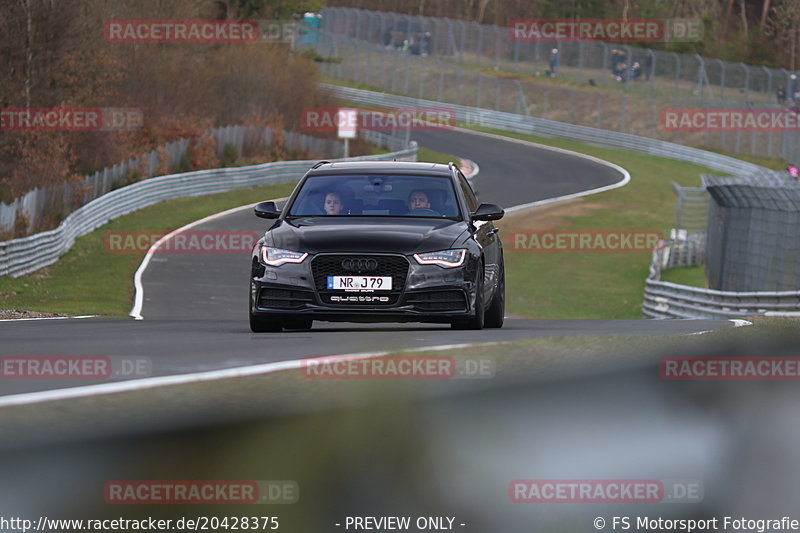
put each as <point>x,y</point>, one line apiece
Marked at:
<point>553,63</point>
<point>636,71</point>
<point>622,72</point>
<point>618,58</point>
<point>793,171</point>
<point>781,96</point>
<point>793,88</point>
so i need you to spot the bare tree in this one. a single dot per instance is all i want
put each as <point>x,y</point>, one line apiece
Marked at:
<point>784,27</point>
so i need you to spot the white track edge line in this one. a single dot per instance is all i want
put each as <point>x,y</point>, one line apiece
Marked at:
<point>45,318</point>
<point>138,302</point>
<point>209,375</point>
<point>626,176</point>
<point>242,371</point>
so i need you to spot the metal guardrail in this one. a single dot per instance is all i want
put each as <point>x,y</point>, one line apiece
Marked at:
<point>25,255</point>
<point>59,200</point>
<point>549,128</point>
<point>661,299</point>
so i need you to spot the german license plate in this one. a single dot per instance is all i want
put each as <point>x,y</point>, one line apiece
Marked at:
<point>360,283</point>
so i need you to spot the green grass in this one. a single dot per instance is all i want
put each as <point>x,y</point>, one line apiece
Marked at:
<point>436,157</point>
<point>598,285</point>
<point>693,276</point>
<point>90,280</point>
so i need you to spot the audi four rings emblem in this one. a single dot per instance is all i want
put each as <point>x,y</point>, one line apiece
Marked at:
<point>359,265</point>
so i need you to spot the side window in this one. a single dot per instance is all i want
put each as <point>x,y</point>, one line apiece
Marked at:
<point>472,202</point>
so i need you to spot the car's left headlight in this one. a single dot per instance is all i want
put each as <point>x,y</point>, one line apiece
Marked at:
<point>277,257</point>
<point>443,258</point>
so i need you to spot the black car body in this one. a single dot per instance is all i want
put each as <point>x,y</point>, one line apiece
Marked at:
<point>367,256</point>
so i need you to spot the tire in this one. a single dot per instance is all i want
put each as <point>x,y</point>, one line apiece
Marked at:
<point>496,311</point>
<point>299,323</point>
<point>477,321</point>
<point>259,324</point>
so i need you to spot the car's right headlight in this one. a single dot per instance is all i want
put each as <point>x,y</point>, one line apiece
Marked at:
<point>277,256</point>
<point>442,258</point>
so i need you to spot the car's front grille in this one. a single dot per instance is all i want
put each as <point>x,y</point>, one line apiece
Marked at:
<point>440,300</point>
<point>284,298</point>
<point>395,266</point>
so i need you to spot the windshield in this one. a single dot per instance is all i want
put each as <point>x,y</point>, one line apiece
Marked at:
<point>377,195</point>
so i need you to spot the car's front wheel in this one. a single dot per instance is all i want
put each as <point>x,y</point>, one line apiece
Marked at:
<point>260,324</point>
<point>495,313</point>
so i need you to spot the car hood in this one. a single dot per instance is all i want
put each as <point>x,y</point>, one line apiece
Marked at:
<point>406,235</point>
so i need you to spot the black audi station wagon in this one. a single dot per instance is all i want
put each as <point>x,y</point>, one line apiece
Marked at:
<point>378,241</point>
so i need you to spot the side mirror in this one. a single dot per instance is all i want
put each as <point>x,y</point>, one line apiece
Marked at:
<point>266,210</point>
<point>488,212</point>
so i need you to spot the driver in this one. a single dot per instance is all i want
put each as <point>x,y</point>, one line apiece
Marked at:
<point>418,200</point>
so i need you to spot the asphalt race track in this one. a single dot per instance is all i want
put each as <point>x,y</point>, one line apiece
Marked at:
<point>195,306</point>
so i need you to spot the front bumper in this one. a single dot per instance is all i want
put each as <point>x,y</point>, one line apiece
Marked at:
<point>427,293</point>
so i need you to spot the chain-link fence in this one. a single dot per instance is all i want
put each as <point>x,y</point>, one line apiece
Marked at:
<point>480,65</point>
<point>753,225</point>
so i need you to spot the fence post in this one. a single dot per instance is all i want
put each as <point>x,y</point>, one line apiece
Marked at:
<point>498,32</point>
<point>440,90</point>
<point>677,75</point>
<point>408,72</point>
<point>463,25</point>
<point>604,71</point>
<point>769,80</point>
<point>722,72</point>
<point>702,77</point>
<point>746,82</point>
<point>770,135</point>
<point>522,100</point>
<point>479,45</point>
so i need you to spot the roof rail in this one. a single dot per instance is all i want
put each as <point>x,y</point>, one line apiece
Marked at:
<point>452,166</point>
<point>320,163</point>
